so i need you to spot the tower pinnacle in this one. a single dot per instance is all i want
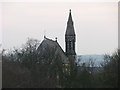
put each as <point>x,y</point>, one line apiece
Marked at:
<point>70,17</point>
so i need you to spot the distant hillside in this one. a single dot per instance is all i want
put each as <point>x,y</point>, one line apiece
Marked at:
<point>98,59</point>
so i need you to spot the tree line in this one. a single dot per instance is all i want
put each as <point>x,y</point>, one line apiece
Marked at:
<point>24,68</point>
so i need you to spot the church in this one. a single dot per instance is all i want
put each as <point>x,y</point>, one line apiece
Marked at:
<point>49,48</point>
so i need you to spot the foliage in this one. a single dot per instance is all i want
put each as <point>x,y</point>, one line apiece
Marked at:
<point>110,70</point>
<point>24,68</point>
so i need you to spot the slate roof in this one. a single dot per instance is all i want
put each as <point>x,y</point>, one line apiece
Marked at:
<point>49,47</point>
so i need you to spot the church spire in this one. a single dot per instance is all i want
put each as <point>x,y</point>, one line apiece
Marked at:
<point>70,36</point>
<point>70,27</point>
<point>70,18</point>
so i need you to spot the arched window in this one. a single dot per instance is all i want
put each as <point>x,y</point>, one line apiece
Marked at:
<point>69,45</point>
<point>73,45</point>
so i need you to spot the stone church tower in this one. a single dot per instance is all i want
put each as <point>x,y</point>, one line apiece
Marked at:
<point>70,39</point>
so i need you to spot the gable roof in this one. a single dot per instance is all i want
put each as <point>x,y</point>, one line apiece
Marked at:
<point>49,47</point>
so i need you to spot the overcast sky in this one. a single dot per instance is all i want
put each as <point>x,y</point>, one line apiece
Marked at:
<point>95,23</point>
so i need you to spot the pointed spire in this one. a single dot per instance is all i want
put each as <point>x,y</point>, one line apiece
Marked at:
<point>70,26</point>
<point>70,17</point>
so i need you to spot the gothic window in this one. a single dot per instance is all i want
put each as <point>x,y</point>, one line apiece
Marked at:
<point>73,45</point>
<point>69,45</point>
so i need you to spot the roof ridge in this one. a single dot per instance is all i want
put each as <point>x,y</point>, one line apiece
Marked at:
<point>49,39</point>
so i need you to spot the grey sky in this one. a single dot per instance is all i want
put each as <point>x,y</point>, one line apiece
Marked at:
<point>96,24</point>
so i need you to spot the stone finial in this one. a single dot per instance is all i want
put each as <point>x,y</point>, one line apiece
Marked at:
<point>55,38</point>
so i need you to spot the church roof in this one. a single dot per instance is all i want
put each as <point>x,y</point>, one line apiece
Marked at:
<point>49,47</point>
<point>70,28</point>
